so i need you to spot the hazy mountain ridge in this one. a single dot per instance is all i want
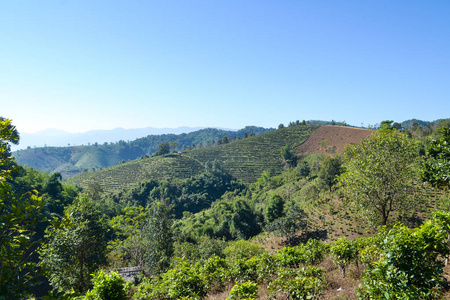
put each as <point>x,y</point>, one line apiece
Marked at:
<point>60,138</point>
<point>72,160</point>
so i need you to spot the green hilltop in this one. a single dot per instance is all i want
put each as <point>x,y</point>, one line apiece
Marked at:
<point>245,159</point>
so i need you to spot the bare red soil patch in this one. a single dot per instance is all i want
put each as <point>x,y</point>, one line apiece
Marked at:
<point>331,140</point>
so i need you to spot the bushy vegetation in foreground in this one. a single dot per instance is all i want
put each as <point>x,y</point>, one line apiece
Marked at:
<point>399,263</point>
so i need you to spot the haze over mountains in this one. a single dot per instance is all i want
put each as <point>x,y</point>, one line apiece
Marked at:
<point>60,138</point>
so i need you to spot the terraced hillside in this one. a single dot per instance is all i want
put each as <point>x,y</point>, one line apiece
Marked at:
<point>245,159</point>
<point>73,160</point>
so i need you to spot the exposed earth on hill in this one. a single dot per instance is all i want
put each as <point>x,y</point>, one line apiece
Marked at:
<point>331,140</point>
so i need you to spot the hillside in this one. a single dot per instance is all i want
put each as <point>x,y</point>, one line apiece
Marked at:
<point>73,160</point>
<point>244,159</point>
<point>331,140</point>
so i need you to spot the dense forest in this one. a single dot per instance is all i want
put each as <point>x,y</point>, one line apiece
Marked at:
<point>371,222</point>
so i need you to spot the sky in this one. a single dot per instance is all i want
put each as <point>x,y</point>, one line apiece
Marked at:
<point>93,64</point>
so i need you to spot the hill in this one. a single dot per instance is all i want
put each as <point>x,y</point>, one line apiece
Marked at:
<point>73,160</point>
<point>331,140</point>
<point>244,159</point>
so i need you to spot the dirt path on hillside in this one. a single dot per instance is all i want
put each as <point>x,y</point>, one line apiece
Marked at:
<point>331,140</point>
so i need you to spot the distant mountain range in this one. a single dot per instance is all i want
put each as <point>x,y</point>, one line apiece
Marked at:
<point>60,138</point>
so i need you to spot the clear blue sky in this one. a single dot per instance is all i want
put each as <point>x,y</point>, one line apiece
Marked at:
<point>79,65</point>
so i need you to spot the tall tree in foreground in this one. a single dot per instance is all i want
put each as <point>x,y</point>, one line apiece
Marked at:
<point>76,246</point>
<point>379,175</point>
<point>19,216</point>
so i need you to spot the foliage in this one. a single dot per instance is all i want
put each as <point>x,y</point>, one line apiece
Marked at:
<point>230,218</point>
<point>242,250</point>
<point>246,291</point>
<point>76,246</point>
<point>243,221</point>
<point>409,262</point>
<point>158,237</point>
<point>287,155</point>
<point>214,272</point>
<point>342,253</point>
<point>304,169</point>
<point>295,219</point>
<point>128,248</point>
<point>379,177</point>
<point>307,283</point>
<point>274,209</point>
<point>178,282</point>
<point>107,287</point>
<point>8,135</point>
<point>311,253</point>
<point>163,148</point>
<point>436,168</point>
<point>19,216</point>
<point>200,249</point>
<point>330,170</point>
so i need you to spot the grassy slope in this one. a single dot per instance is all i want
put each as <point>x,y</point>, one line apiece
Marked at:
<point>245,159</point>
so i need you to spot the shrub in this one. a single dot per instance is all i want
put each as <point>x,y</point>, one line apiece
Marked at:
<point>408,265</point>
<point>107,287</point>
<point>342,253</point>
<point>307,283</point>
<point>179,282</point>
<point>244,291</point>
<point>242,249</point>
<point>214,272</point>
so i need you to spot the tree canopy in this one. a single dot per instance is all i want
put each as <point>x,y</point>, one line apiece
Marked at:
<point>76,246</point>
<point>436,168</point>
<point>379,176</point>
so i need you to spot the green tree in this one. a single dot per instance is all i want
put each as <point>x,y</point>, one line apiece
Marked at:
<point>287,155</point>
<point>173,146</point>
<point>342,253</point>
<point>436,168</point>
<point>76,246</point>
<point>129,246</point>
<point>8,135</point>
<point>163,148</point>
<point>244,223</point>
<point>386,125</point>
<point>329,171</point>
<point>159,239</point>
<point>19,216</point>
<point>288,226</point>
<point>379,176</point>
<point>94,190</point>
<point>304,170</point>
<point>274,209</point>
